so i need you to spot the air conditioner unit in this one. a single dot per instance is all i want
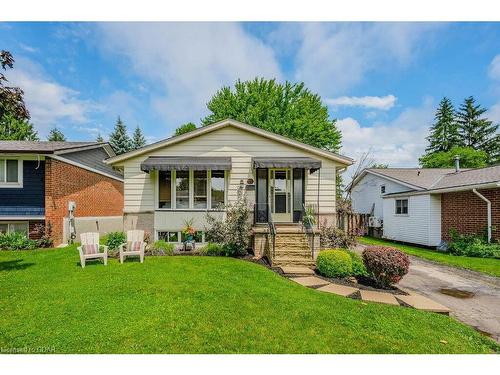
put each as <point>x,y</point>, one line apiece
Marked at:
<point>374,222</point>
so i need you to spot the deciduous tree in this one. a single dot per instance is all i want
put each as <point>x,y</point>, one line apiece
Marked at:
<point>287,109</point>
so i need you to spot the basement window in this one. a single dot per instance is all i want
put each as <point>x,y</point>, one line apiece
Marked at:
<point>401,206</point>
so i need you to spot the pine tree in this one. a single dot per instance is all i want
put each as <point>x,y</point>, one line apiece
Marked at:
<point>56,135</point>
<point>478,132</point>
<point>15,129</point>
<point>119,139</point>
<point>444,132</point>
<point>138,139</point>
<point>99,138</point>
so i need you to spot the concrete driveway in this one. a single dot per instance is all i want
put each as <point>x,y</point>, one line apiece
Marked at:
<point>473,297</point>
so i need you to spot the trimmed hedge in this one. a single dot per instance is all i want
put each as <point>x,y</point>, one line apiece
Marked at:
<point>386,265</point>
<point>334,263</point>
<point>358,267</point>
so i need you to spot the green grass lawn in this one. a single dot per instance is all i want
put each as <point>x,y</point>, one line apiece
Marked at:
<point>201,305</point>
<point>485,265</point>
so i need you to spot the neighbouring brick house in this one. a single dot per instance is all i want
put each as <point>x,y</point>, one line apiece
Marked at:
<point>423,206</point>
<point>38,180</point>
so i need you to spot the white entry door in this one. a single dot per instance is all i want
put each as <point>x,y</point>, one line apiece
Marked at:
<point>280,194</point>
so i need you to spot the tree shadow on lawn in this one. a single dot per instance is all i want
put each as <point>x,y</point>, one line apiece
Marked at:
<point>14,265</point>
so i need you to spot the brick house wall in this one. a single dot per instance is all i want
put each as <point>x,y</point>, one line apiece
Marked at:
<point>94,194</point>
<point>466,212</point>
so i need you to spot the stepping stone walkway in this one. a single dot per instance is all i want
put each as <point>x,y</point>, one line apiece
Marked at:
<point>309,281</point>
<point>380,297</point>
<point>413,300</point>
<point>340,290</point>
<point>423,303</point>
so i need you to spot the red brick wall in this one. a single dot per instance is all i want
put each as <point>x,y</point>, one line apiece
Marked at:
<point>94,194</point>
<point>32,225</point>
<point>466,212</point>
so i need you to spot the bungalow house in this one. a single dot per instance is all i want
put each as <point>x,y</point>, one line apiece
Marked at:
<point>38,180</point>
<point>422,206</point>
<point>183,177</point>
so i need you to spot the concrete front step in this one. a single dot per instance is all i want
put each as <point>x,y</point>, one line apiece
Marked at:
<point>297,271</point>
<point>279,262</point>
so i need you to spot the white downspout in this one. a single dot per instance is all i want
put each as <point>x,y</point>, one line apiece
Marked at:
<point>489,211</point>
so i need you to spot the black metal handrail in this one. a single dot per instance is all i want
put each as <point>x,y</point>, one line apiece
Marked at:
<point>262,215</point>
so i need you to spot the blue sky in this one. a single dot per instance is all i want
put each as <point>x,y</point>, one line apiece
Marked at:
<point>382,81</point>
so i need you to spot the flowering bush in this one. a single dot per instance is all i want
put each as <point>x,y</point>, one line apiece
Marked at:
<point>385,264</point>
<point>334,263</point>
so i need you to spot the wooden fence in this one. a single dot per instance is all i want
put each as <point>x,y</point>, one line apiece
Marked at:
<point>354,224</point>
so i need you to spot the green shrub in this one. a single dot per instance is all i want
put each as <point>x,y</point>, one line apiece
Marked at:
<point>16,241</point>
<point>334,263</point>
<point>358,267</point>
<point>114,240</point>
<point>213,249</point>
<point>161,247</point>
<point>472,246</point>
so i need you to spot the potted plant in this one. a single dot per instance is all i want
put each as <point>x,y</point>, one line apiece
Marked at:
<point>189,230</point>
<point>309,219</point>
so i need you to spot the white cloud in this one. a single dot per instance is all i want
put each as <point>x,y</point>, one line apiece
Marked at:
<point>494,113</point>
<point>494,68</point>
<point>333,57</point>
<point>398,143</point>
<point>48,102</point>
<point>378,102</point>
<point>189,61</point>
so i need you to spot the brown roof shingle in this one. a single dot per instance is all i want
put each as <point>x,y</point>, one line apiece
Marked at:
<point>44,147</point>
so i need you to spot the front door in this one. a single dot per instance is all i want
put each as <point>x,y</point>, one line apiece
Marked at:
<point>280,193</point>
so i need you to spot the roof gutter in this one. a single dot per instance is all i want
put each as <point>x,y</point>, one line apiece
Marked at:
<point>488,204</point>
<point>487,185</point>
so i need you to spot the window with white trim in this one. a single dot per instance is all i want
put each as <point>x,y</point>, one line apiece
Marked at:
<point>191,190</point>
<point>401,206</point>
<point>11,172</point>
<point>178,237</point>
<point>382,189</point>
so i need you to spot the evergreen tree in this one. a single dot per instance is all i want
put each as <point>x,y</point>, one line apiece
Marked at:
<point>119,139</point>
<point>138,139</point>
<point>14,129</point>
<point>444,132</point>
<point>56,135</point>
<point>186,128</point>
<point>99,138</point>
<point>478,132</point>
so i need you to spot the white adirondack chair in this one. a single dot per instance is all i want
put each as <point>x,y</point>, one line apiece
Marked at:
<point>134,246</point>
<point>90,248</point>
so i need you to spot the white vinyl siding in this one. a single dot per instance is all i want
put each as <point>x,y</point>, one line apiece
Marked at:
<point>367,194</point>
<point>241,146</point>
<point>422,224</point>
